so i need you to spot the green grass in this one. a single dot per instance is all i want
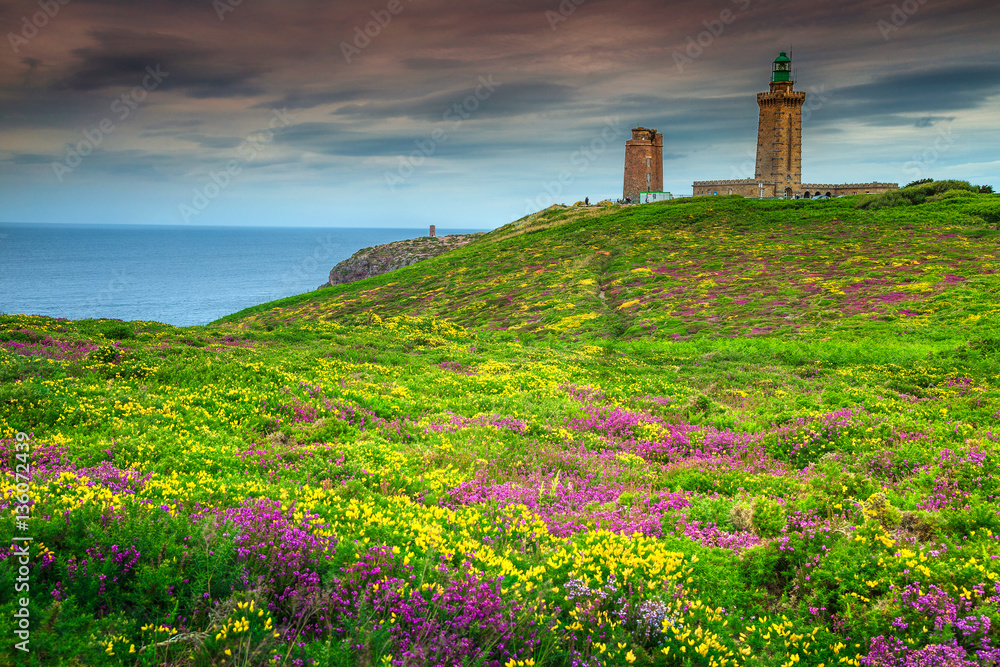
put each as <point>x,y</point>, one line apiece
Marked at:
<point>770,424</point>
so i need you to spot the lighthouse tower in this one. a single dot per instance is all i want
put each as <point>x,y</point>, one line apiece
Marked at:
<point>643,163</point>
<point>779,132</point>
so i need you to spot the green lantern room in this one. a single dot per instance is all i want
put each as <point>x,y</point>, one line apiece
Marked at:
<point>782,69</point>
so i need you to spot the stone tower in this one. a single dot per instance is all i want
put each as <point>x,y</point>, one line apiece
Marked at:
<point>643,163</point>
<point>779,132</point>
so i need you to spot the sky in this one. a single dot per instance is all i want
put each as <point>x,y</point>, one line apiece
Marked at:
<point>405,113</point>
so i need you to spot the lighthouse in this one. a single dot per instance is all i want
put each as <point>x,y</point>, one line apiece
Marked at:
<point>779,131</point>
<point>643,163</point>
<point>778,169</point>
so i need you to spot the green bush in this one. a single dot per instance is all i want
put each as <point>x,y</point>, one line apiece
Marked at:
<point>106,354</point>
<point>978,516</point>
<point>884,200</point>
<point>116,330</point>
<point>716,510</point>
<point>917,193</point>
<point>953,194</point>
<point>768,517</point>
<point>878,509</point>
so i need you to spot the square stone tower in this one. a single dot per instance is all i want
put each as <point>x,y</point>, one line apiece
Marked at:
<point>643,163</point>
<point>779,132</point>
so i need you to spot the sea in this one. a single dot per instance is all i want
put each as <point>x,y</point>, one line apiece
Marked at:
<point>182,276</point>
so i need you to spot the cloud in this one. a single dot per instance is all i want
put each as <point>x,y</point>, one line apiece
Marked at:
<point>508,100</point>
<point>120,58</point>
<point>31,159</point>
<point>33,64</point>
<point>301,99</point>
<point>211,142</point>
<point>433,64</point>
<point>925,92</point>
<point>930,121</point>
<point>557,88</point>
<point>332,139</point>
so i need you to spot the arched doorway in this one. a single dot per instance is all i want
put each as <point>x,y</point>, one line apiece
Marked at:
<point>788,192</point>
<point>827,194</point>
<point>806,195</point>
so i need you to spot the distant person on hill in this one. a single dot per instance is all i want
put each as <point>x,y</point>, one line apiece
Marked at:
<point>586,201</point>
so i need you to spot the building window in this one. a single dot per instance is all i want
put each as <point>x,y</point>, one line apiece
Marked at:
<point>649,162</point>
<point>649,178</point>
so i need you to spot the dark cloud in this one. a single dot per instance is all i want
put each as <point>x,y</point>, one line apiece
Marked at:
<point>212,142</point>
<point>121,59</point>
<point>31,159</point>
<point>33,64</point>
<point>425,64</point>
<point>951,88</point>
<point>171,128</point>
<point>174,124</point>
<point>131,165</point>
<point>332,139</point>
<point>896,120</point>
<point>474,103</point>
<point>930,121</point>
<point>310,99</point>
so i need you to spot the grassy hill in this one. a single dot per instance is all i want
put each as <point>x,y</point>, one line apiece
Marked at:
<point>724,266</point>
<point>712,432</point>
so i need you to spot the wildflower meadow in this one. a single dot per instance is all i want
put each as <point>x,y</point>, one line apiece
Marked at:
<point>712,432</point>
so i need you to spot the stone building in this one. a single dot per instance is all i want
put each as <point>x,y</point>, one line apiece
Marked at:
<point>779,130</point>
<point>778,171</point>
<point>643,163</point>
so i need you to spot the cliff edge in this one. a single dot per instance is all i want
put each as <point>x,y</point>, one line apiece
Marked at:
<point>380,259</point>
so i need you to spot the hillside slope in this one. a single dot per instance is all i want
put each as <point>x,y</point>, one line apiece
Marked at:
<point>344,479</point>
<point>720,266</point>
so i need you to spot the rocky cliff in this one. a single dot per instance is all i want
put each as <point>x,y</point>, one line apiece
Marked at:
<point>380,259</point>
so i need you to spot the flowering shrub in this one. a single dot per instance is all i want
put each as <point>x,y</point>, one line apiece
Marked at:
<point>696,434</point>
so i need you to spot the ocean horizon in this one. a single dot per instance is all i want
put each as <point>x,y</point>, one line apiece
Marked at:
<point>182,276</point>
